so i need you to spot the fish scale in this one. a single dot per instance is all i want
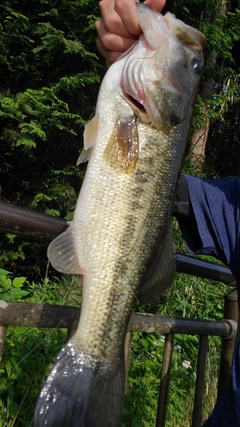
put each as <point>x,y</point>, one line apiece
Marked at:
<point>120,238</point>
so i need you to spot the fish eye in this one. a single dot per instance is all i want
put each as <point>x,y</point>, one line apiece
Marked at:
<point>197,66</point>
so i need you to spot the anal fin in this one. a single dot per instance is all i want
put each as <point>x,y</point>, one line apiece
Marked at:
<point>163,272</point>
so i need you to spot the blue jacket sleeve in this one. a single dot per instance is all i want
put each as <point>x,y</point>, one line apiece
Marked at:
<point>216,206</point>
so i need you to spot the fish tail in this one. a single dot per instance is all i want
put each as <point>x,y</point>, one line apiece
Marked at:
<point>81,392</point>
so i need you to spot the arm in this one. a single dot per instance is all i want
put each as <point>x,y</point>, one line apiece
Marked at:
<point>215,229</point>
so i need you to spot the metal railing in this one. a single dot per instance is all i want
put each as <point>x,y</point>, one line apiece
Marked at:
<point>36,225</point>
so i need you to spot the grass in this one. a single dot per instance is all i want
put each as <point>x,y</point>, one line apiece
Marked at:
<point>190,298</point>
<point>30,353</point>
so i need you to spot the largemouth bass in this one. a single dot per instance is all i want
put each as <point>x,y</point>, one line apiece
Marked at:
<point>119,239</point>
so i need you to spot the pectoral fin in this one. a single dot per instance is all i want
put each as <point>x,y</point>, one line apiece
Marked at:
<point>62,253</point>
<point>122,149</point>
<point>162,274</point>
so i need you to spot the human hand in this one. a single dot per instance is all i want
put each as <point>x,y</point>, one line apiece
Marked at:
<point>118,26</point>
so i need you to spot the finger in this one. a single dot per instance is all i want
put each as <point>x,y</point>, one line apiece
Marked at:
<point>113,41</point>
<point>110,55</point>
<point>127,10</point>
<point>156,4</point>
<point>113,54</point>
<point>111,19</point>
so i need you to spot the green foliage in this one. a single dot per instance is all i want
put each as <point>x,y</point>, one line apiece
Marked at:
<point>25,350</point>
<point>188,297</point>
<point>29,353</point>
<point>11,289</point>
<point>143,381</point>
<point>49,83</point>
<point>219,89</point>
<point>50,76</point>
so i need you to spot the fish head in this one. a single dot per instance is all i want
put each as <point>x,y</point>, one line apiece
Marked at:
<point>160,76</point>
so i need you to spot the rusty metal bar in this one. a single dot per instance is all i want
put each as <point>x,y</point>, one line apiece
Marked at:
<point>29,223</point>
<point>230,313</point>
<point>37,225</point>
<point>38,315</point>
<point>56,316</point>
<point>127,349</point>
<point>197,267</point>
<point>165,381</point>
<point>175,325</point>
<point>199,386</point>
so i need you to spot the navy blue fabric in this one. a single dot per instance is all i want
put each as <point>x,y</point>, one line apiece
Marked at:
<point>216,206</point>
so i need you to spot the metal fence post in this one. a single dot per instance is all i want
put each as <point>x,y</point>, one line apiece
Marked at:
<point>127,349</point>
<point>165,381</point>
<point>231,315</point>
<point>199,387</point>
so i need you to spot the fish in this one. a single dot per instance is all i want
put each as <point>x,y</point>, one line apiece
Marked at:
<point>120,238</point>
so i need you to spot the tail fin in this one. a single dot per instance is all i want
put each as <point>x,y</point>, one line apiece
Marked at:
<point>81,392</point>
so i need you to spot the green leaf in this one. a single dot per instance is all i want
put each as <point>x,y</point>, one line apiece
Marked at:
<point>17,293</point>
<point>144,342</point>
<point>3,388</point>
<point>4,296</point>
<point>8,367</point>
<point>15,364</point>
<point>5,282</point>
<point>18,282</point>
<point>3,272</point>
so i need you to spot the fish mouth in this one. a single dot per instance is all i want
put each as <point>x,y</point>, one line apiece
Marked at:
<point>133,89</point>
<point>137,106</point>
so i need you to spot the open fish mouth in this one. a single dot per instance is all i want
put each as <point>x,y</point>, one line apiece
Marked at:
<point>134,86</point>
<point>137,90</point>
<point>137,106</point>
<point>133,91</point>
<point>141,103</point>
<point>158,90</point>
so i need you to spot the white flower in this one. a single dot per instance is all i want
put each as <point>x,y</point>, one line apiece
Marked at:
<point>177,347</point>
<point>186,364</point>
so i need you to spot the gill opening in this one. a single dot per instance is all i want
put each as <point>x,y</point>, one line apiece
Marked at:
<point>135,102</point>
